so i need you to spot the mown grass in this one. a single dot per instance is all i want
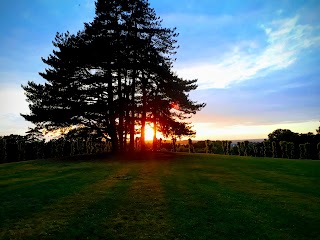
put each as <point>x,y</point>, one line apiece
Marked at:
<point>161,196</point>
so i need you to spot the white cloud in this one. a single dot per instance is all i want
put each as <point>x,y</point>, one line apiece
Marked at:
<point>286,39</point>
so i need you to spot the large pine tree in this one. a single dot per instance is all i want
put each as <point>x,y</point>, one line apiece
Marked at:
<point>113,77</point>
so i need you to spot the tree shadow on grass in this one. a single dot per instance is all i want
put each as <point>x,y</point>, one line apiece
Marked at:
<point>145,156</point>
<point>120,157</point>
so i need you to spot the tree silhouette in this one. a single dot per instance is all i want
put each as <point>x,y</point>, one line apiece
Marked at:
<point>267,148</point>
<point>290,150</point>
<point>239,148</point>
<point>284,149</point>
<point>274,149</point>
<point>112,77</point>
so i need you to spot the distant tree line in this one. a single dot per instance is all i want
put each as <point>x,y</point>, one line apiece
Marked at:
<point>15,148</point>
<point>281,143</point>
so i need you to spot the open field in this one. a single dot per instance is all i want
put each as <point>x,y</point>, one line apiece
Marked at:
<point>162,196</point>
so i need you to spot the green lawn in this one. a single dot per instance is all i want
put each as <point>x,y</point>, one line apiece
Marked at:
<point>162,196</point>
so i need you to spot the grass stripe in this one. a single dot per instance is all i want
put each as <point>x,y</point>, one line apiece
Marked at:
<point>91,223</point>
<point>20,203</point>
<point>144,213</point>
<point>215,200</point>
<point>56,215</point>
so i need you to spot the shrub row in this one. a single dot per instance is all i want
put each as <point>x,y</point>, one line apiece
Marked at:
<point>17,148</point>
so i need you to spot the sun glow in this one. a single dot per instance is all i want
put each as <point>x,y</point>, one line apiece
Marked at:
<point>149,133</point>
<point>234,132</point>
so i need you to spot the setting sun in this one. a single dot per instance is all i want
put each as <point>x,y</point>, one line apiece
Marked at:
<point>149,133</point>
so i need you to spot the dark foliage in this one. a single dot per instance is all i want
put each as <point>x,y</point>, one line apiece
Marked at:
<point>14,148</point>
<point>113,77</point>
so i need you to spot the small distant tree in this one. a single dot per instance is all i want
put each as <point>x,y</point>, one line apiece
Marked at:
<point>229,147</point>
<point>234,150</point>
<point>216,147</point>
<point>290,150</point>
<point>307,150</point>
<point>260,149</point>
<point>207,142</point>
<point>267,148</point>
<point>246,147</point>
<point>21,151</point>
<point>239,148</point>
<point>284,149</point>
<point>190,145</point>
<point>174,144</point>
<point>301,150</point>
<point>242,148</point>
<point>274,149</point>
<point>210,146</point>
<point>224,147</point>
<point>255,149</point>
<point>3,149</point>
<point>318,147</point>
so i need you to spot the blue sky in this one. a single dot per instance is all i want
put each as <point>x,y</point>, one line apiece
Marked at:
<point>257,62</point>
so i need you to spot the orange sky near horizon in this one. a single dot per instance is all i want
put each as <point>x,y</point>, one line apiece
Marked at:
<point>239,132</point>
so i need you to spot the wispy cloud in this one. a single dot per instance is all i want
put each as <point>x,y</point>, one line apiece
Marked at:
<point>285,41</point>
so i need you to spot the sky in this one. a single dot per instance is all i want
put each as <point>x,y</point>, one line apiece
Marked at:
<point>257,62</point>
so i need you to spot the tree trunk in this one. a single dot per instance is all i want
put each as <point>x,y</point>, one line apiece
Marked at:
<point>155,141</point>
<point>112,128</point>
<point>121,109</point>
<point>143,114</point>
<point>126,112</point>
<point>132,110</point>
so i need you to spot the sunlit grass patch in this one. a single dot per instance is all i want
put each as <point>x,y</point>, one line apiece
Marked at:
<point>144,213</point>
